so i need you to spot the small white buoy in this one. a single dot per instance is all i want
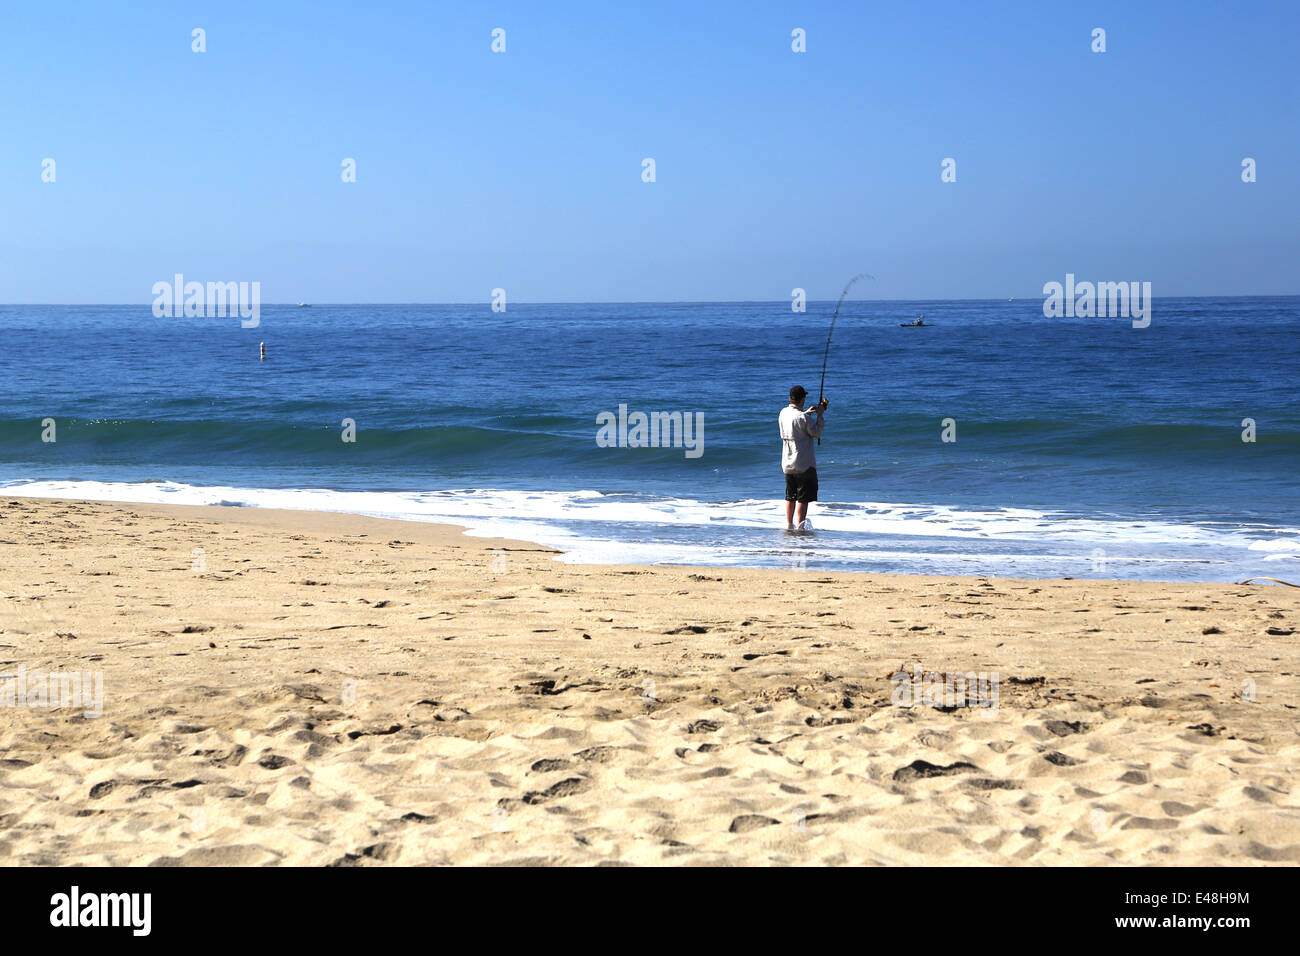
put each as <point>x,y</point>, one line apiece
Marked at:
<point>262,345</point>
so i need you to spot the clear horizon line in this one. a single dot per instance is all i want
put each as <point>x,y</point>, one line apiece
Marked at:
<point>783,301</point>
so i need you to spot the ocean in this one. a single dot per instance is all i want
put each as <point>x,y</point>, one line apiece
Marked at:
<point>1083,447</point>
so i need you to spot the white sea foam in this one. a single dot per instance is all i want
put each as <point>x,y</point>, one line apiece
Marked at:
<point>593,527</point>
<point>1280,544</point>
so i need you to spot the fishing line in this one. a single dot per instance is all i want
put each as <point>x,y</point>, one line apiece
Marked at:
<point>821,389</point>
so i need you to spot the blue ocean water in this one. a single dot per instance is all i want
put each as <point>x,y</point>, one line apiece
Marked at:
<point>1084,447</point>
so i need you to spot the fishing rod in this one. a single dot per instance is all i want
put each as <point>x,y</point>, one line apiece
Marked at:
<point>821,389</point>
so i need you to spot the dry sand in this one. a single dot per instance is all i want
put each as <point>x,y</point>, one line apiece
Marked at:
<point>326,689</point>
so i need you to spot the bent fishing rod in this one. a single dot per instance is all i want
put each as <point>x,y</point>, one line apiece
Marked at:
<point>821,389</point>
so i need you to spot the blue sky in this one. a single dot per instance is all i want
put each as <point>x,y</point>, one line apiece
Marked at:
<point>522,170</point>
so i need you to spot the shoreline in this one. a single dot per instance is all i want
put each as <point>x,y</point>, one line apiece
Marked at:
<point>314,519</point>
<point>434,533</point>
<point>325,688</point>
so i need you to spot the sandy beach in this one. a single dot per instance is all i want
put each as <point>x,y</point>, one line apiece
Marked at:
<point>298,688</point>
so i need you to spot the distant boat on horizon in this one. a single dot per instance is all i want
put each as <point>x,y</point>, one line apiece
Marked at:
<point>304,305</point>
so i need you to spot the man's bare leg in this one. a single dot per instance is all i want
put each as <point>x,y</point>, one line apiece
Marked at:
<point>789,516</point>
<point>803,511</point>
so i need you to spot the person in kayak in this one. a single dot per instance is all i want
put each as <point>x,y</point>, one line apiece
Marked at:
<point>799,426</point>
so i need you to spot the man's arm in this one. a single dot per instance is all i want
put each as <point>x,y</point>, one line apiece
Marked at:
<point>813,421</point>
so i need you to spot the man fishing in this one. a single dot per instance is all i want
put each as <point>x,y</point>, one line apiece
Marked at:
<point>799,426</point>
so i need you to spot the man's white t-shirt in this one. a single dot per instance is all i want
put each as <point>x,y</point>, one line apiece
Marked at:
<point>798,429</point>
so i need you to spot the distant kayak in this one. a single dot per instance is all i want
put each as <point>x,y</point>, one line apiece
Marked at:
<point>913,325</point>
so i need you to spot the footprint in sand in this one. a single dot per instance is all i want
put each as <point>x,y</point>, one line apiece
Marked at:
<point>919,769</point>
<point>548,766</point>
<point>1063,728</point>
<point>565,788</point>
<point>749,822</point>
<point>1061,760</point>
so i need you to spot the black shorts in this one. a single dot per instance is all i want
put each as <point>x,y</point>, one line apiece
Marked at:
<point>801,487</point>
